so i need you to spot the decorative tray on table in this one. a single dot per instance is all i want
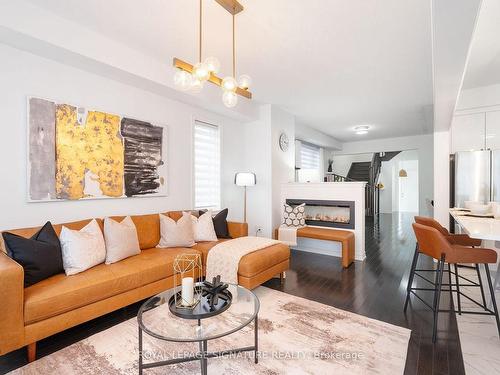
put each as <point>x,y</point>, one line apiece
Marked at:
<point>215,298</point>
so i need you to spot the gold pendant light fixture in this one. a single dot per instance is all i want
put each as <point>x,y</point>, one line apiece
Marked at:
<point>193,77</point>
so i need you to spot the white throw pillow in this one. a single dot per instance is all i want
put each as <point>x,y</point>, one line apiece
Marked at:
<point>203,227</point>
<point>82,249</point>
<point>176,234</point>
<point>121,239</point>
<point>294,216</point>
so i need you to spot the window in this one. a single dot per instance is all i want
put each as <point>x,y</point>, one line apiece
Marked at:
<point>311,161</point>
<point>206,165</point>
<point>309,156</point>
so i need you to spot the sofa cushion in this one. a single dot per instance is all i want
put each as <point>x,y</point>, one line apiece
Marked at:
<point>121,239</point>
<point>82,249</point>
<point>254,263</point>
<point>61,293</point>
<point>220,223</point>
<point>148,229</point>
<point>40,255</point>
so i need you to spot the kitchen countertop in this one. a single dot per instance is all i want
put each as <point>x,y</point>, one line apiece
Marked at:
<point>477,227</point>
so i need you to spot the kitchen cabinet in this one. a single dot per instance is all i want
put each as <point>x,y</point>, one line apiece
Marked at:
<point>468,132</point>
<point>493,130</point>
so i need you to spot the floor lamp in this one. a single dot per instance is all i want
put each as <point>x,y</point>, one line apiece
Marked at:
<point>245,179</point>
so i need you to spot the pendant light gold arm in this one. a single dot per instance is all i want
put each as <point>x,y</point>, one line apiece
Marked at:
<point>180,64</point>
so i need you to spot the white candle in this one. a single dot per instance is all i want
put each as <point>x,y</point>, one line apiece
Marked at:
<point>187,291</point>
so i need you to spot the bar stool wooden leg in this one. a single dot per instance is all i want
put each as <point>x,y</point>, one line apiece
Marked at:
<point>412,275</point>
<point>437,297</point>
<point>481,286</point>
<point>458,290</point>
<point>493,300</point>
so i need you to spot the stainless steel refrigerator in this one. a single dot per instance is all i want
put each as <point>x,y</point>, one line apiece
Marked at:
<point>476,177</point>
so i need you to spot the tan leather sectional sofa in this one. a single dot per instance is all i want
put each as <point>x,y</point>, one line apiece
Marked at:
<point>60,302</point>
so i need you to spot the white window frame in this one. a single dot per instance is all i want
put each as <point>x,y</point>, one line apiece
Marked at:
<point>216,205</point>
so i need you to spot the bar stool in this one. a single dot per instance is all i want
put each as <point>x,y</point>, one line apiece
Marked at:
<point>433,243</point>
<point>456,239</point>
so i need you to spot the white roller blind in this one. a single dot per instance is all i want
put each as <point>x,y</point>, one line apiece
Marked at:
<point>206,165</point>
<point>309,156</point>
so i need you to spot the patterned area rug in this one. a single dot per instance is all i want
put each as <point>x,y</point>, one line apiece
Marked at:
<point>296,336</point>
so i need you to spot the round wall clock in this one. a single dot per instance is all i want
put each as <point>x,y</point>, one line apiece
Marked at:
<point>284,142</point>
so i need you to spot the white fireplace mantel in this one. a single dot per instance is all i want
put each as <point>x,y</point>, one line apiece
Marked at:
<point>343,191</point>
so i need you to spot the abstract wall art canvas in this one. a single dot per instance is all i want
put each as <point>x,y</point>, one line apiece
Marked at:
<point>76,153</point>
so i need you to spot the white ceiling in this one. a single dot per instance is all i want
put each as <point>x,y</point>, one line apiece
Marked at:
<point>334,64</point>
<point>483,67</point>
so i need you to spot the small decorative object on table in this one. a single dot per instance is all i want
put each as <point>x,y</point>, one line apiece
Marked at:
<point>187,273</point>
<point>215,290</point>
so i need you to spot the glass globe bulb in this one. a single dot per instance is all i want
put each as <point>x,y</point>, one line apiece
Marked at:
<point>212,64</point>
<point>182,80</point>
<point>244,81</point>
<point>229,84</point>
<point>201,72</point>
<point>196,85</point>
<point>230,99</point>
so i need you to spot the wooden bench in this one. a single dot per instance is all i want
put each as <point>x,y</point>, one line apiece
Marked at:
<point>346,238</point>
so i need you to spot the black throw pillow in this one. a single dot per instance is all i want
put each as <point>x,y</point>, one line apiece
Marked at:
<point>40,255</point>
<point>220,223</point>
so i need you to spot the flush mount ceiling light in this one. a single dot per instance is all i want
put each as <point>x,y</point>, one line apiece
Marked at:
<point>362,129</point>
<point>193,77</point>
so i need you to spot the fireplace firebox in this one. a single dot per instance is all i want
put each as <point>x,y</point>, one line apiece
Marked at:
<point>327,213</point>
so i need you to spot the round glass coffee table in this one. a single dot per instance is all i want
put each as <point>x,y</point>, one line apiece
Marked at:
<point>156,320</point>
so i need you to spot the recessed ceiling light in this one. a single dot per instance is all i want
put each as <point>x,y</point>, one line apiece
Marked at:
<point>362,129</point>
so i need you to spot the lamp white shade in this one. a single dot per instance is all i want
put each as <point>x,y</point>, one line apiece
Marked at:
<point>245,179</point>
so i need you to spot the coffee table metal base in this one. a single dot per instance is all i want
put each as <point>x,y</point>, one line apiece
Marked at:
<point>203,355</point>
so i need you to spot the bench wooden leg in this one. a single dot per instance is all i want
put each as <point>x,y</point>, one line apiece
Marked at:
<point>282,277</point>
<point>31,348</point>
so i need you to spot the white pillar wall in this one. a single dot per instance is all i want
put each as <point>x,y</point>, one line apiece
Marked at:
<point>442,177</point>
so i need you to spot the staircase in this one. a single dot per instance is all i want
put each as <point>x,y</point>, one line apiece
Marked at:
<point>359,171</point>
<point>369,173</point>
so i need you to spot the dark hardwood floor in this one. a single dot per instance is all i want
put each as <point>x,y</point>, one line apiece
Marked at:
<point>375,288</point>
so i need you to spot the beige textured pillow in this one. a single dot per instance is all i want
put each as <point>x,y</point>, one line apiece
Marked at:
<point>203,227</point>
<point>121,239</point>
<point>82,249</point>
<point>176,234</point>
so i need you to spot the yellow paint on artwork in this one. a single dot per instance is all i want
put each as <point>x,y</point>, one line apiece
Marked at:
<point>95,147</point>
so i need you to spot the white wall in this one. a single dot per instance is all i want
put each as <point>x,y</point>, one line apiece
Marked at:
<point>423,144</point>
<point>308,134</point>
<point>257,153</point>
<point>408,186</point>
<point>484,96</point>
<point>442,177</point>
<point>283,163</point>
<point>271,165</point>
<point>25,74</point>
<point>400,193</point>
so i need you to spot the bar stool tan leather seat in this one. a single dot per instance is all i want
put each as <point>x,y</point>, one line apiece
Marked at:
<point>433,243</point>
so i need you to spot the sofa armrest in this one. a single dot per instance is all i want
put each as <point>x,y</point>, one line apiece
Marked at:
<point>237,229</point>
<point>12,304</point>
